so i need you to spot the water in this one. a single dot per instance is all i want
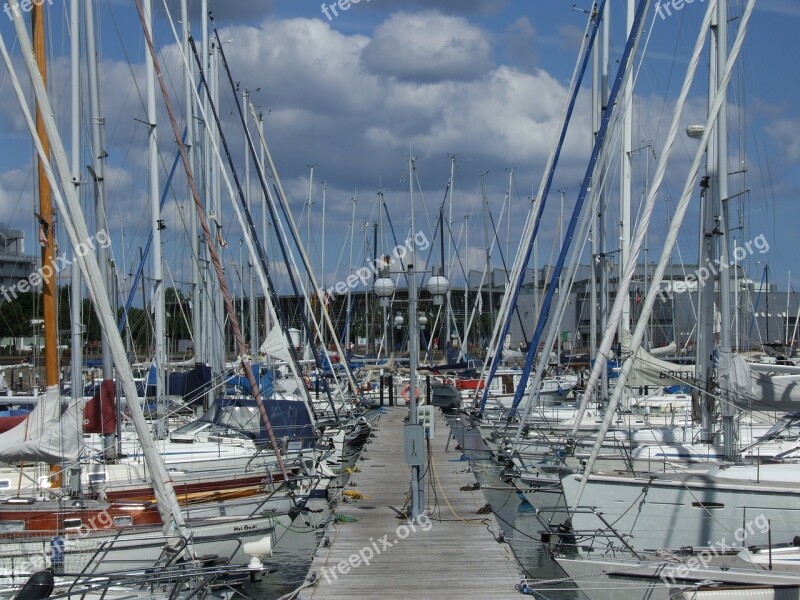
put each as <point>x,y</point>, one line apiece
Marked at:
<point>292,556</point>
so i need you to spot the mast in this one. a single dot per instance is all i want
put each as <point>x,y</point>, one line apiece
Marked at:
<point>46,229</point>
<point>561,193</point>
<point>625,175</point>
<point>729,434</point>
<point>322,262</point>
<point>535,270</point>
<point>308,306</point>
<point>488,250</point>
<point>451,318</point>
<point>208,320</point>
<point>350,270</point>
<point>98,174</point>
<point>76,296</point>
<point>215,322</point>
<point>267,324</point>
<point>713,242</point>
<point>194,238</point>
<point>594,266</point>
<point>251,303</point>
<point>766,296</point>
<point>157,224</point>
<point>602,264</point>
<point>417,482</point>
<point>464,345</point>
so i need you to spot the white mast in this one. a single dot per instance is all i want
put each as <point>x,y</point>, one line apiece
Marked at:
<point>602,242</point>
<point>350,270</point>
<point>157,297</point>
<point>76,296</point>
<point>251,304</point>
<point>309,275</point>
<point>448,273</point>
<point>535,269</point>
<point>267,323</point>
<point>98,172</point>
<point>417,482</point>
<point>594,264</point>
<point>322,265</point>
<point>625,175</point>
<point>488,251</point>
<point>208,332</point>
<point>194,238</point>
<point>721,195</point>
<point>464,345</point>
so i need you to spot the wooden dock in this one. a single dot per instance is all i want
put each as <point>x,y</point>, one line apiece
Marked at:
<point>453,555</point>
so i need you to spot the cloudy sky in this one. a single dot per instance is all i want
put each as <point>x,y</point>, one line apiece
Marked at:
<point>355,92</point>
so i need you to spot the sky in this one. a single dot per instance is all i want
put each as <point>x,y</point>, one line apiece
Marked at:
<point>355,92</point>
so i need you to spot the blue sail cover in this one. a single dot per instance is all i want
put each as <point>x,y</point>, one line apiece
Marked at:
<point>240,383</point>
<point>289,419</point>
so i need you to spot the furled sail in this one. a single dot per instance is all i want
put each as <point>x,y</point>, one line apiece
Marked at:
<point>46,435</point>
<point>757,386</point>
<point>649,370</point>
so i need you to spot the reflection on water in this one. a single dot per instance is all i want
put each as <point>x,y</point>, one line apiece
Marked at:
<point>292,556</point>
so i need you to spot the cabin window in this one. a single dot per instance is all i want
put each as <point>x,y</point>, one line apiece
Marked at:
<point>12,526</point>
<point>72,523</point>
<point>19,500</point>
<point>5,484</point>
<point>97,478</point>
<point>123,521</point>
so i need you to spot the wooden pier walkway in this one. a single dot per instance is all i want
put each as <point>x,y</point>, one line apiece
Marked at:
<point>454,555</point>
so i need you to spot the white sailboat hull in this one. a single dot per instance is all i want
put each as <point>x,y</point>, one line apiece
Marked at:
<point>139,548</point>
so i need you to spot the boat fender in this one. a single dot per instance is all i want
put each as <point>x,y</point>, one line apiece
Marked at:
<point>524,589</point>
<point>39,586</point>
<point>407,392</point>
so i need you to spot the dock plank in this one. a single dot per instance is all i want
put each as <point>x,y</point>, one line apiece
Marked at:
<point>454,555</point>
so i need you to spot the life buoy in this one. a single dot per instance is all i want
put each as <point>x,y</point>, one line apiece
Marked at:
<point>406,393</point>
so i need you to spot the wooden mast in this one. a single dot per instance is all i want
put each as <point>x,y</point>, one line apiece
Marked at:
<point>46,233</point>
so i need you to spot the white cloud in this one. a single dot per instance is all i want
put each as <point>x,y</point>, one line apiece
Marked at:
<point>427,47</point>
<point>787,133</point>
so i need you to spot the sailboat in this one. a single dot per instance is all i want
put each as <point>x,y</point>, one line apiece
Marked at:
<point>692,533</point>
<point>89,541</point>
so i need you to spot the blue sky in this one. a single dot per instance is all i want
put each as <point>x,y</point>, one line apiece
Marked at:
<point>482,79</point>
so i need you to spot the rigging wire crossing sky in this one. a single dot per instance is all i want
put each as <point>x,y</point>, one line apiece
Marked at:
<point>481,81</point>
